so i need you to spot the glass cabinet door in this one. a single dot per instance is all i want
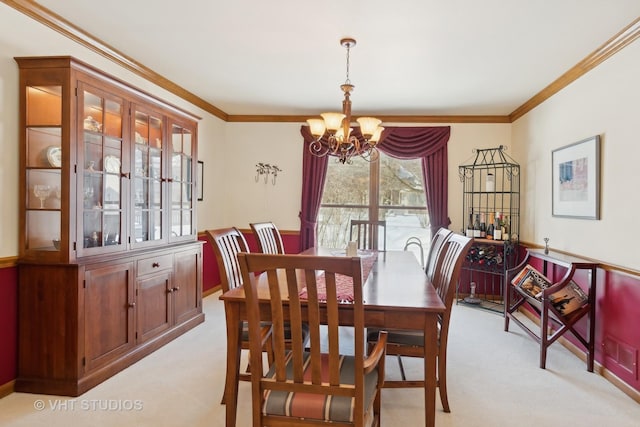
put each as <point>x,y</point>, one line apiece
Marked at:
<point>148,209</point>
<point>182,183</point>
<point>43,168</point>
<point>100,171</point>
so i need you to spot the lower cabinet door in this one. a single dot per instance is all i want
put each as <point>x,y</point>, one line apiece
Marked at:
<point>187,285</point>
<point>153,305</point>
<point>109,307</point>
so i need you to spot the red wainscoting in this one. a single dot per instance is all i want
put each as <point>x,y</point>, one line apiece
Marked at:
<point>210,273</point>
<point>8,324</point>
<point>617,340</point>
<point>617,332</point>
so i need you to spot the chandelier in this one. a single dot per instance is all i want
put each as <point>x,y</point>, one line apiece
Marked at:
<point>333,133</point>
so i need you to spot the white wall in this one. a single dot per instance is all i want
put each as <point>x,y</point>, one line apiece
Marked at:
<point>605,102</point>
<point>22,36</point>
<point>245,200</point>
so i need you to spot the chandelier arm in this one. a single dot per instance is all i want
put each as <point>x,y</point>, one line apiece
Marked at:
<point>371,155</point>
<point>317,148</point>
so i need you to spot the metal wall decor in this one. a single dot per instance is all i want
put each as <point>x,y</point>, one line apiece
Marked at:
<point>266,169</point>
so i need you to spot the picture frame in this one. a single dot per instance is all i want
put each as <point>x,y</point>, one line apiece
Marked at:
<point>576,180</point>
<point>200,180</point>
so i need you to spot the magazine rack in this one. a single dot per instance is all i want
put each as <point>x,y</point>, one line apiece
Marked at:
<point>552,323</point>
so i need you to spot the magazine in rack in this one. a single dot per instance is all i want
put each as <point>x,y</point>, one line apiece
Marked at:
<point>569,299</point>
<point>531,283</point>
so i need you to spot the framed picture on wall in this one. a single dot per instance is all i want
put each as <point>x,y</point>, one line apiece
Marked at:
<point>576,179</point>
<point>200,180</point>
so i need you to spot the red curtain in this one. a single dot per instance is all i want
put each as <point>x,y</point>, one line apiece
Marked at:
<point>430,144</point>
<point>314,172</point>
<point>427,143</point>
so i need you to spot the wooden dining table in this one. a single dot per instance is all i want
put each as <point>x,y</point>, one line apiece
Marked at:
<point>397,295</point>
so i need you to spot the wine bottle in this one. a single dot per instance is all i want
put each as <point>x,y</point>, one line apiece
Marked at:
<point>473,254</point>
<point>497,231</point>
<point>483,226</point>
<point>476,226</point>
<point>494,260</point>
<point>469,232</point>
<point>506,233</point>
<point>490,228</point>
<point>498,258</point>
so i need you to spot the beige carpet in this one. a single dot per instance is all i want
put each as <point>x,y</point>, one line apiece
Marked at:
<point>494,381</point>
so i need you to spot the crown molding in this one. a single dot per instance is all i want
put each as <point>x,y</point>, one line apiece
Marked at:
<point>624,38</point>
<point>66,28</point>
<point>46,17</point>
<point>386,119</point>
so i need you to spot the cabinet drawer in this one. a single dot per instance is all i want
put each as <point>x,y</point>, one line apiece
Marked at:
<point>153,264</point>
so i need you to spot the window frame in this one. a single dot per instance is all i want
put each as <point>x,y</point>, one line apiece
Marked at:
<point>374,206</point>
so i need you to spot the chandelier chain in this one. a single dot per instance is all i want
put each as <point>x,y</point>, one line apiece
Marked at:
<point>347,81</point>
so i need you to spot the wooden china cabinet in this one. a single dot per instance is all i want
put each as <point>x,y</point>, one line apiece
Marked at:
<point>110,267</point>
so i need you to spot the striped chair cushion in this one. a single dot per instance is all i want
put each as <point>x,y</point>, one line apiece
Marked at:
<point>319,406</point>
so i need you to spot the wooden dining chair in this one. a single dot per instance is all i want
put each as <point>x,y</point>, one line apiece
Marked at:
<point>367,233</point>
<point>412,243</point>
<point>308,387</point>
<point>268,237</point>
<point>436,246</point>
<point>227,243</point>
<point>410,343</point>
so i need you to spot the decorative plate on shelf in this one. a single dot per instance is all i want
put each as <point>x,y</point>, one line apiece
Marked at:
<point>54,156</point>
<point>112,164</point>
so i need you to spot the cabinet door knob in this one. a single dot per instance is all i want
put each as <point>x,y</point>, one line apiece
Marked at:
<point>125,175</point>
<point>177,288</point>
<point>155,265</point>
<point>170,290</point>
<point>132,304</point>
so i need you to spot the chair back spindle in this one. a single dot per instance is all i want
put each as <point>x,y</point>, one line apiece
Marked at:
<point>437,244</point>
<point>227,243</point>
<point>268,237</point>
<point>367,234</point>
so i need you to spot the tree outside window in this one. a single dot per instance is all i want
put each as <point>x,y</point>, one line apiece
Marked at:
<point>390,189</point>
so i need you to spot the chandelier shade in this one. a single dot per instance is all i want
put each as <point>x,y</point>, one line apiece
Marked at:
<point>333,121</point>
<point>368,126</point>
<point>333,134</point>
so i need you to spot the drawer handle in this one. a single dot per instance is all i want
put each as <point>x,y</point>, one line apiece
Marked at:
<point>155,265</point>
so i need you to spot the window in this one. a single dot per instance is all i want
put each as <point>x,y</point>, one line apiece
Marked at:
<point>390,189</point>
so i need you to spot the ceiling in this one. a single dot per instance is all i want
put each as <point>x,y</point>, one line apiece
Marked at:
<point>417,58</point>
